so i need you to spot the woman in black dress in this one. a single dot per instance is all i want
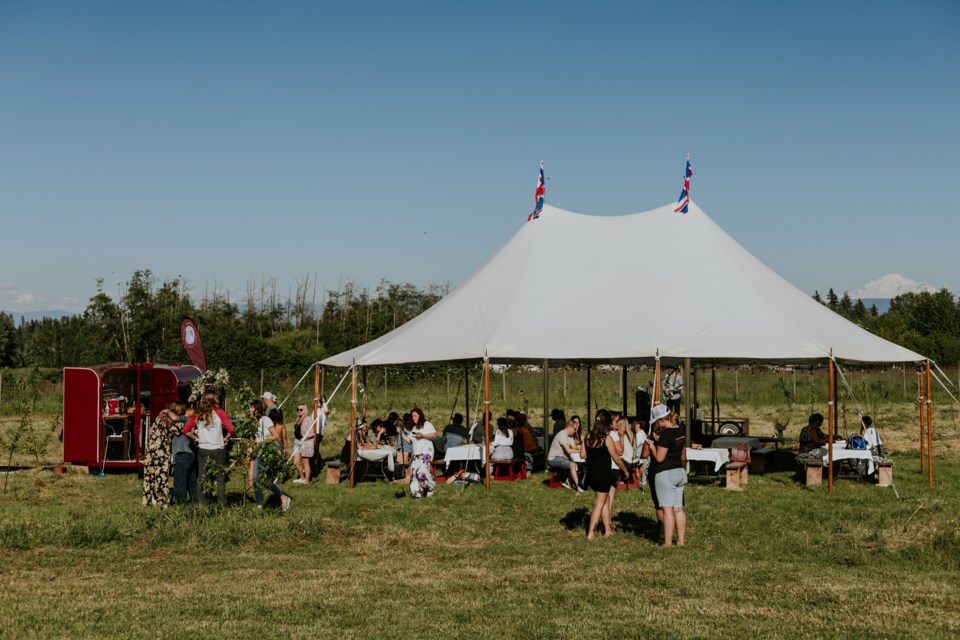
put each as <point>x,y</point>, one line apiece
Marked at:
<point>600,450</point>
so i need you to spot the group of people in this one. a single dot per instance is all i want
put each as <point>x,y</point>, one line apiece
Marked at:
<point>616,448</point>
<point>194,442</point>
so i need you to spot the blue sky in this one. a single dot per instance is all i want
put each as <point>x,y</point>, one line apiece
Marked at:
<point>228,142</point>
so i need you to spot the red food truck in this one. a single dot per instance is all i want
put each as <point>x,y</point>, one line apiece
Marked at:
<point>106,418</point>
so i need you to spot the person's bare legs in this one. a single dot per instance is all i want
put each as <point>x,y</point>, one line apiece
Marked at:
<point>306,471</point>
<point>680,516</point>
<point>608,508</point>
<point>607,524</point>
<point>599,501</point>
<point>574,475</point>
<point>669,524</point>
<point>298,464</point>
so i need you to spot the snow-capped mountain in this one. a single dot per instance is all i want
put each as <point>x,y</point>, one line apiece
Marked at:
<point>891,286</point>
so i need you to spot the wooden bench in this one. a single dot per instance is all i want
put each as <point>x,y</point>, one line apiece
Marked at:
<point>884,474</point>
<point>737,475</point>
<point>333,471</point>
<point>509,469</point>
<point>812,470</point>
<point>759,458</point>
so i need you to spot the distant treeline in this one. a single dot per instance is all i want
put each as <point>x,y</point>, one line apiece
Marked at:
<point>283,336</point>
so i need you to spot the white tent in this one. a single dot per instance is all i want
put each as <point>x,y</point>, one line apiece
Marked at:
<point>624,289</point>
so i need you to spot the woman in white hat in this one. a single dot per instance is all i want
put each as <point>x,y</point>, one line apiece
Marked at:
<point>670,475</point>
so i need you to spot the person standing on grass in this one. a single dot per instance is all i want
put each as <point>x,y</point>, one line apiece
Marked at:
<point>268,435</point>
<point>184,460</point>
<point>156,460</point>
<point>617,427</point>
<point>671,456</point>
<point>304,444</point>
<point>272,410</point>
<point>599,450</point>
<point>206,427</point>
<point>420,436</point>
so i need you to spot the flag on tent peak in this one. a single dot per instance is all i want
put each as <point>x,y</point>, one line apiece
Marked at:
<point>538,196</point>
<point>684,200</point>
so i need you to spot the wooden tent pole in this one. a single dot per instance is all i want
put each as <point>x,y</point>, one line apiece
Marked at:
<point>363,406</point>
<point>656,381</point>
<point>923,436</point>
<point>686,399</point>
<point>830,405</point>
<point>623,388</point>
<point>546,411</point>
<point>714,401</point>
<point>929,426</point>
<point>316,411</point>
<point>486,419</point>
<point>588,398</point>
<point>353,416</point>
<point>466,393</point>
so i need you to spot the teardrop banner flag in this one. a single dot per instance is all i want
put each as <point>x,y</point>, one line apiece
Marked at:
<point>190,338</point>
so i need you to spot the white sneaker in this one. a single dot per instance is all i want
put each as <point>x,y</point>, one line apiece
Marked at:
<point>566,484</point>
<point>581,490</point>
<point>298,481</point>
<point>285,504</point>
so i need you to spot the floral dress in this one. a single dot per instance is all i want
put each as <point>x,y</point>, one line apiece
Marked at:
<point>422,483</point>
<point>156,463</point>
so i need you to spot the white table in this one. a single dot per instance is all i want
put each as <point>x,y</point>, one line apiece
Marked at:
<point>841,453</point>
<point>718,457</point>
<point>729,442</point>
<point>465,453</point>
<point>378,454</point>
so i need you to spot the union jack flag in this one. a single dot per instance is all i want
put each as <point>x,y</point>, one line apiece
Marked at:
<point>684,199</point>
<point>538,196</point>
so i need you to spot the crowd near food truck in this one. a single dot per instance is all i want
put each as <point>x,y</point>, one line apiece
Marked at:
<point>107,417</point>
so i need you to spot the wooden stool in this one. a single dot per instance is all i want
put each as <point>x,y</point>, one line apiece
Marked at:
<point>758,459</point>
<point>333,472</point>
<point>737,473</point>
<point>885,474</point>
<point>813,472</point>
<point>439,469</point>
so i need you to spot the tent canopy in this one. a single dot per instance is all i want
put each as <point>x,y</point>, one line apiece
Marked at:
<point>573,287</point>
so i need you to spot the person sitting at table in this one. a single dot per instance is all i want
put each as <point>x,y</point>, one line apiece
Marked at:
<point>370,448</point>
<point>561,453</point>
<point>455,434</point>
<point>872,437</point>
<point>812,436</point>
<point>502,445</point>
<point>530,446</point>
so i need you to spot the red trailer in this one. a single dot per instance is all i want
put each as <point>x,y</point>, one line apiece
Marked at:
<point>106,417</point>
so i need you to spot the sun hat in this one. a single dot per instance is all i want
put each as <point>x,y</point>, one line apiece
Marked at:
<point>269,396</point>
<point>658,411</point>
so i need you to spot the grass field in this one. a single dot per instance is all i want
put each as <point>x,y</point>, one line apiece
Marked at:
<point>81,558</point>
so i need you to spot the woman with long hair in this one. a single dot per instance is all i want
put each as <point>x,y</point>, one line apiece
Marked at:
<point>268,435</point>
<point>502,446</point>
<point>600,450</point>
<point>156,461</point>
<point>420,436</point>
<point>206,427</point>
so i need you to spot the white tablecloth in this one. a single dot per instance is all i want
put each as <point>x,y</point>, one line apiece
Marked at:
<point>718,457</point>
<point>729,442</point>
<point>376,455</point>
<point>839,453</point>
<point>464,453</point>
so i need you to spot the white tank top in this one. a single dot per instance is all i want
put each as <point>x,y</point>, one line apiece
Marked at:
<point>210,435</point>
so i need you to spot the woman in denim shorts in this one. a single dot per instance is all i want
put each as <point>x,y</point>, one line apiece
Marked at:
<point>671,476</point>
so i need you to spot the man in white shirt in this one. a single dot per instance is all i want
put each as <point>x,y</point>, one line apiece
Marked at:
<point>560,456</point>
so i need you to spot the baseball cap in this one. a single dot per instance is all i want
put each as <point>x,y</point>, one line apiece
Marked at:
<point>269,396</point>
<point>658,411</point>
